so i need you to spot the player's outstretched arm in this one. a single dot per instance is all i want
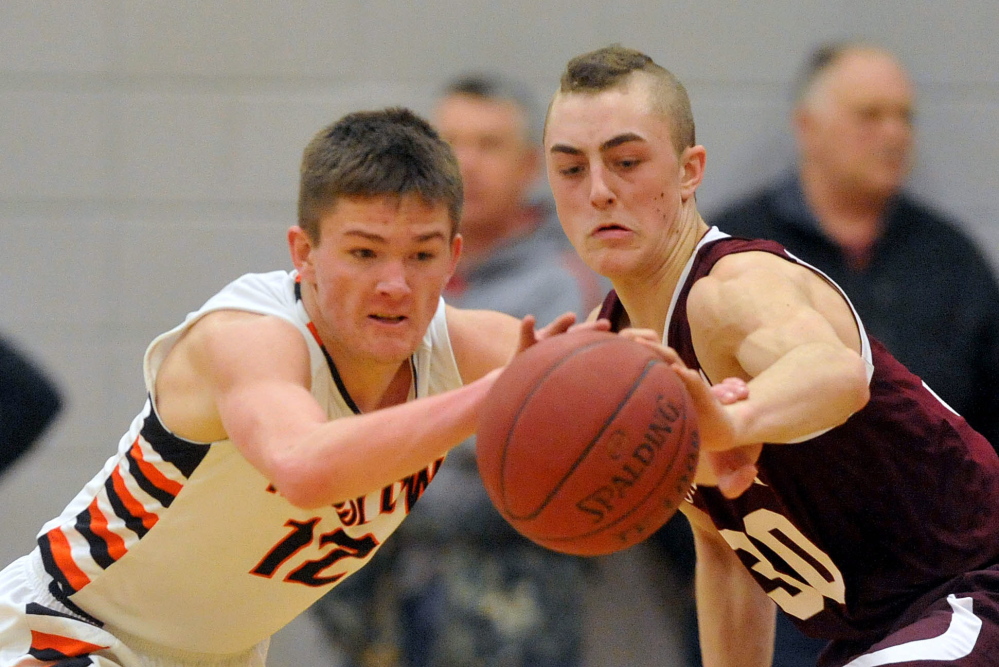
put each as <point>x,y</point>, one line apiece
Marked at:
<point>735,618</point>
<point>788,333</point>
<point>246,377</point>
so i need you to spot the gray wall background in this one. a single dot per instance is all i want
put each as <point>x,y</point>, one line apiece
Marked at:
<point>149,150</point>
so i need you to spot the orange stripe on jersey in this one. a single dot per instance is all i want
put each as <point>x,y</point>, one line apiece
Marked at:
<point>62,553</point>
<point>99,526</point>
<point>315,334</point>
<point>67,646</point>
<point>152,473</point>
<point>135,508</point>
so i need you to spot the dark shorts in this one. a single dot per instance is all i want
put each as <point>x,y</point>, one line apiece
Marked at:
<point>958,626</point>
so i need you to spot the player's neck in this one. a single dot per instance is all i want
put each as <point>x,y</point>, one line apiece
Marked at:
<point>368,383</point>
<point>646,296</point>
<point>373,385</point>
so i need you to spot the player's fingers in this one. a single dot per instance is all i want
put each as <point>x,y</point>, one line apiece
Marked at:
<point>730,390</point>
<point>695,384</point>
<point>559,325</point>
<point>668,354</point>
<point>527,335</point>
<point>592,325</point>
<point>734,469</point>
<point>640,334</point>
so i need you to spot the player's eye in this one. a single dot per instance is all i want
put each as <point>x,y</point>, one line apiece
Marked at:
<point>424,256</point>
<point>362,253</point>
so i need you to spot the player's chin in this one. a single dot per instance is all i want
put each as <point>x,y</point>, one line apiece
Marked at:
<point>391,347</point>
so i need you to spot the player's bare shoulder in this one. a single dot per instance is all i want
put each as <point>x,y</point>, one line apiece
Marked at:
<point>741,283</point>
<point>220,350</point>
<point>747,291</point>
<point>481,339</point>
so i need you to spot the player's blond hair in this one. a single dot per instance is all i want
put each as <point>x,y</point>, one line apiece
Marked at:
<point>614,67</point>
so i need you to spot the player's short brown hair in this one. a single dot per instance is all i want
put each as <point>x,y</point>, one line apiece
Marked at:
<point>374,153</point>
<point>613,66</point>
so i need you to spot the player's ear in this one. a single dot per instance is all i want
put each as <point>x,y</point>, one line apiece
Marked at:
<point>300,245</point>
<point>456,243</point>
<point>692,161</point>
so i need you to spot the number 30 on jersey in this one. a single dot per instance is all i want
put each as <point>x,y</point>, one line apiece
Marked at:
<point>817,576</point>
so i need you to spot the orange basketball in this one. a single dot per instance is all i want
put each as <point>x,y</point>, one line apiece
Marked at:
<point>587,443</point>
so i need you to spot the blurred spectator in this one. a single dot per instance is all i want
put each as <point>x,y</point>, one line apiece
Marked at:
<point>920,285</point>
<point>456,585</point>
<point>29,402</point>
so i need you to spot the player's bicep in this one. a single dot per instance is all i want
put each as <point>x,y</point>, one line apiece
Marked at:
<point>259,373</point>
<point>748,318</point>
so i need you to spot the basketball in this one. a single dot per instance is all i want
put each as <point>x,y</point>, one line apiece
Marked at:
<point>587,443</point>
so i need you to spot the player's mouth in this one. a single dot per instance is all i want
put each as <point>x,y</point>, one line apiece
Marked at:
<point>610,230</point>
<point>388,319</point>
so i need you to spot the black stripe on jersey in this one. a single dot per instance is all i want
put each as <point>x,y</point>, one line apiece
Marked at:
<point>84,616</point>
<point>165,498</point>
<point>60,659</point>
<point>79,661</point>
<point>414,485</point>
<point>343,389</point>
<point>35,609</point>
<point>329,362</point>
<point>184,455</point>
<point>339,383</point>
<point>97,544</point>
<point>132,522</point>
<point>60,586</point>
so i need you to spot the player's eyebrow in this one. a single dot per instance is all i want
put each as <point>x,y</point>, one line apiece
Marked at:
<point>618,140</point>
<point>365,235</point>
<point>378,238</point>
<point>430,236</point>
<point>613,142</point>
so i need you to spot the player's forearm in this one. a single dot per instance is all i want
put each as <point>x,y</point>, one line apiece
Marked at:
<point>351,457</point>
<point>811,388</point>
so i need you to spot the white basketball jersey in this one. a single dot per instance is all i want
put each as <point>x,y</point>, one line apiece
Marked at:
<point>187,546</point>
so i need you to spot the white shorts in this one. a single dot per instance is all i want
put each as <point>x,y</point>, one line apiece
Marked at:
<point>36,630</point>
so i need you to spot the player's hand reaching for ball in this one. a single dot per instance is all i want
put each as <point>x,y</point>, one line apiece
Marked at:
<point>722,463</point>
<point>560,325</point>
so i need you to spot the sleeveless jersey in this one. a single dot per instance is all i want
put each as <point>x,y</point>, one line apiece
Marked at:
<point>187,546</point>
<point>846,529</point>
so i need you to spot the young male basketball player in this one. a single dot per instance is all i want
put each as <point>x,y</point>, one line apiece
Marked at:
<point>870,513</point>
<point>290,425</point>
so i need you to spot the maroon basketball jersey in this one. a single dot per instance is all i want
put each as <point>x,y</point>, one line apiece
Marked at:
<point>847,529</point>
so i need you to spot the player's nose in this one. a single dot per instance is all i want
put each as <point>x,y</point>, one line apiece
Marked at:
<point>601,194</point>
<point>392,281</point>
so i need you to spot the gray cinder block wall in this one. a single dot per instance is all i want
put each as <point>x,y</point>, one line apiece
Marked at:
<point>149,150</point>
